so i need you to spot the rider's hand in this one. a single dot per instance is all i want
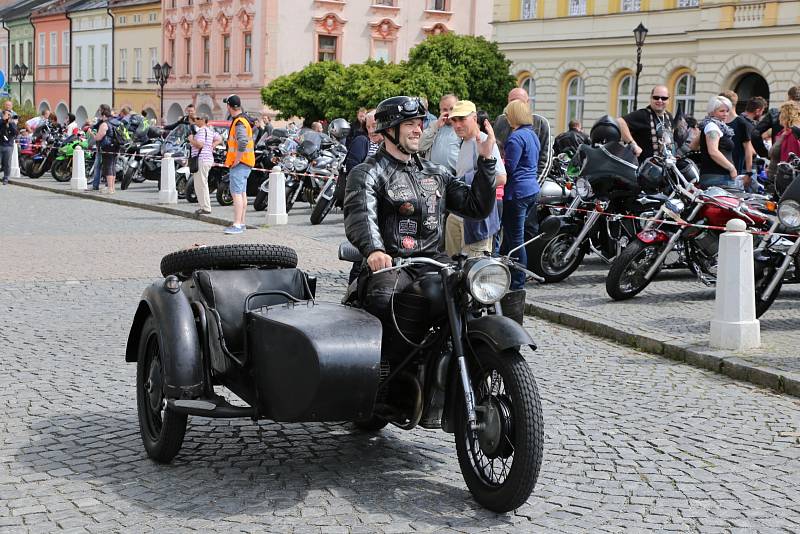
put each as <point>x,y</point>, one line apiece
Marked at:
<point>442,120</point>
<point>637,150</point>
<point>733,172</point>
<point>379,260</point>
<point>486,147</point>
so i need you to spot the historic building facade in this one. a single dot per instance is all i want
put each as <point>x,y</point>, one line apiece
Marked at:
<point>217,48</point>
<point>92,66</point>
<point>16,20</point>
<point>137,47</point>
<point>577,58</point>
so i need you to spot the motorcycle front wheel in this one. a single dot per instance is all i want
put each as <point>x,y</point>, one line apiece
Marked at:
<point>501,464</point>
<point>292,194</point>
<point>260,202</point>
<point>626,278</point>
<point>761,284</point>
<point>180,185</point>
<point>191,194</point>
<point>321,210</point>
<point>224,195</point>
<point>62,170</point>
<point>25,165</point>
<point>546,257</point>
<point>38,168</point>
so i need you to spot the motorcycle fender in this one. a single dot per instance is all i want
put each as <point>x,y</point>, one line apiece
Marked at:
<point>180,343</point>
<point>764,259</point>
<point>264,186</point>
<point>183,170</point>
<point>652,236</point>
<point>499,332</point>
<point>328,190</point>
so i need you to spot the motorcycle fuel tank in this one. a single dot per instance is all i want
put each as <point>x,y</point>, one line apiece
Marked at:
<point>552,193</point>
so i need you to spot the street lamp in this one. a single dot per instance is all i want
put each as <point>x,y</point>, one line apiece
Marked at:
<point>161,74</point>
<point>19,72</point>
<point>639,35</point>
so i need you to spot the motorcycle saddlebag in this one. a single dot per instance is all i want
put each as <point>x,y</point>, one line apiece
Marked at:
<point>314,362</point>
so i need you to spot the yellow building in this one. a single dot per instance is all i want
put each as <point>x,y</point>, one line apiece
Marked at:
<point>137,47</point>
<point>577,58</point>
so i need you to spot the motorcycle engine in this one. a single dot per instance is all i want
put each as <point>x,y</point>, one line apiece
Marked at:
<point>707,247</point>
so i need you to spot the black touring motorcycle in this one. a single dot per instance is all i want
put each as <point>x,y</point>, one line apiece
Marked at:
<point>244,317</point>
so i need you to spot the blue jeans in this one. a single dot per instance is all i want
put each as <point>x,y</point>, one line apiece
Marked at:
<point>238,178</point>
<point>98,170</point>
<point>720,180</point>
<point>496,240</point>
<point>517,213</point>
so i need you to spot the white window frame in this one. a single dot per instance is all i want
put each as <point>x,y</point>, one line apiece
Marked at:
<point>105,62</point>
<point>53,48</point>
<point>78,63</point>
<point>688,3</point>
<point>42,49</point>
<point>686,99</point>
<point>153,61</point>
<point>529,84</point>
<point>631,6</point>
<point>65,48</point>
<point>575,101</point>
<point>123,64</point>
<point>91,62</point>
<point>577,8</point>
<point>137,64</point>
<point>247,59</point>
<point>625,100</point>
<point>226,53</point>
<point>528,9</point>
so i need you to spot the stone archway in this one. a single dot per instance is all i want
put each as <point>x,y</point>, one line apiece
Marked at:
<point>174,112</point>
<point>81,115</point>
<point>748,85</point>
<point>43,106</point>
<point>61,112</point>
<point>205,109</point>
<point>149,113</point>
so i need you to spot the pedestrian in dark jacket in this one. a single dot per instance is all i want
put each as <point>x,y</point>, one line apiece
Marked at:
<point>8,133</point>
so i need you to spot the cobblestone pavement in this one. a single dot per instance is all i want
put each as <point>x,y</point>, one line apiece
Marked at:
<point>675,307</point>
<point>634,442</point>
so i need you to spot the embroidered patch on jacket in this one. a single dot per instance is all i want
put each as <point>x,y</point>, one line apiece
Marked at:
<point>406,208</point>
<point>400,190</point>
<point>408,242</point>
<point>429,184</point>
<point>408,227</point>
<point>431,222</point>
<point>432,205</point>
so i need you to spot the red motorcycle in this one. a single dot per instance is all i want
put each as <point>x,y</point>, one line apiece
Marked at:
<point>691,239</point>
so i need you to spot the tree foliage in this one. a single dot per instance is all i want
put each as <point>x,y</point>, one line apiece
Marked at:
<point>471,67</point>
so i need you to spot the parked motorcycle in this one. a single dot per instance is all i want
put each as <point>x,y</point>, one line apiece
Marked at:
<point>333,160</point>
<point>284,154</point>
<point>62,166</point>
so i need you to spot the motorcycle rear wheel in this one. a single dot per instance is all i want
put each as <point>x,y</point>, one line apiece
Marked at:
<point>224,196</point>
<point>545,257</point>
<point>625,278</point>
<point>191,194</point>
<point>161,429</point>
<point>502,465</point>
<point>62,170</point>
<point>180,185</point>
<point>37,169</point>
<point>260,202</point>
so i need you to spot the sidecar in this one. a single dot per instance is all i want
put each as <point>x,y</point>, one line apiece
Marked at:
<point>244,317</point>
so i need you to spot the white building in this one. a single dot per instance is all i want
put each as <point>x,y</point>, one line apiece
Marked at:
<point>92,66</point>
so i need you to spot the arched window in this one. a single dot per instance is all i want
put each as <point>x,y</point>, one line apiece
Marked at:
<point>529,85</point>
<point>684,94</point>
<point>574,107</point>
<point>625,95</point>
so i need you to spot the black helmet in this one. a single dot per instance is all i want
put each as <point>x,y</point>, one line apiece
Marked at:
<point>393,111</point>
<point>688,169</point>
<point>339,129</point>
<point>651,175</point>
<point>605,130</point>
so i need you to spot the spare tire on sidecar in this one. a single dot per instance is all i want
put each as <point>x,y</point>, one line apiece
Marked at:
<point>243,317</point>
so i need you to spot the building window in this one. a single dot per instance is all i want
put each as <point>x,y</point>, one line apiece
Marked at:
<point>172,4</point>
<point>91,63</point>
<point>226,53</point>
<point>188,44</point>
<point>41,49</point>
<point>171,52</point>
<point>206,55</point>
<point>30,56</point>
<point>574,109</point>
<point>123,20</point>
<point>530,87</point>
<point>105,62</point>
<point>384,3</point>
<point>438,5</point>
<point>3,56</point>
<point>123,64</point>
<point>684,94</point>
<point>153,61</point>
<point>688,3</point>
<point>53,48</point>
<point>381,50</point>
<point>326,47</point>
<point>137,64</point>
<point>137,18</point>
<point>78,62</point>
<point>65,48</point>
<point>153,17</point>
<point>625,95</point>
<point>248,52</point>
<point>577,8</point>
<point>631,5</point>
<point>528,9</point>
<point>14,56</point>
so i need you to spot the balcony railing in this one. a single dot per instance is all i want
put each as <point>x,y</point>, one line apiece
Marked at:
<point>747,15</point>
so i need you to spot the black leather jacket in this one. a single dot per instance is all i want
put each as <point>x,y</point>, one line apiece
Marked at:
<point>398,208</point>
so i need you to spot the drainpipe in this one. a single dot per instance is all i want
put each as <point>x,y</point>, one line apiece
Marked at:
<point>113,54</point>
<point>69,74</point>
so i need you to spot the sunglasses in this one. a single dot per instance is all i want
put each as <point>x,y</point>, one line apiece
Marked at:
<point>662,98</point>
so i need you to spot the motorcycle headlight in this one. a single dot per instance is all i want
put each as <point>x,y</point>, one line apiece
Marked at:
<point>789,214</point>
<point>300,163</point>
<point>488,280</point>
<point>674,205</point>
<point>583,188</point>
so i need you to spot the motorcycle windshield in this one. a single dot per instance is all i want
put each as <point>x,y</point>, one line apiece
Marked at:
<point>310,145</point>
<point>176,138</point>
<point>793,191</point>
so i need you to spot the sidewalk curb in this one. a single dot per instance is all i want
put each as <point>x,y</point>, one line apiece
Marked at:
<point>99,197</point>
<point>697,355</point>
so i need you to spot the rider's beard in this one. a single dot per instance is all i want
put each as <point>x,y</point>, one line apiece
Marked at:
<point>411,144</point>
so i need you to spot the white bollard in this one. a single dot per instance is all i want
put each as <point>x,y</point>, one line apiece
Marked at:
<point>14,167</point>
<point>734,325</point>
<point>276,203</point>
<point>167,194</point>
<point>78,180</point>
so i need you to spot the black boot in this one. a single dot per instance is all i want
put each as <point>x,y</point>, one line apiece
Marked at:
<point>513,304</point>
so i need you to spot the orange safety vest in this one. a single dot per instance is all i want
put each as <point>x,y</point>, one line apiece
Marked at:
<point>249,155</point>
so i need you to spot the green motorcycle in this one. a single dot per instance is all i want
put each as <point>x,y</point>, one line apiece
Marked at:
<point>62,166</point>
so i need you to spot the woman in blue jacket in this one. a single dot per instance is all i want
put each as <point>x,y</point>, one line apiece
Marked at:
<point>522,187</point>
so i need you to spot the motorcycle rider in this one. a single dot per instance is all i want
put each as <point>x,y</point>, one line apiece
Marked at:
<point>395,205</point>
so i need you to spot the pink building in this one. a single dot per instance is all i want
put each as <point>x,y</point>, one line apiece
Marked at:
<point>238,46</point>
<point>51,31</point>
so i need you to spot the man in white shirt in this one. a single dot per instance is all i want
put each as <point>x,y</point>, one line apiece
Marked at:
<point>439,140</point>
<point>36,122</point>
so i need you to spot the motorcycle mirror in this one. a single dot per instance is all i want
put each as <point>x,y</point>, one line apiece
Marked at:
<point>550,227</point>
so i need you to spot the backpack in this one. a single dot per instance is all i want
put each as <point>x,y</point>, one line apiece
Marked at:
<point>117,134</point>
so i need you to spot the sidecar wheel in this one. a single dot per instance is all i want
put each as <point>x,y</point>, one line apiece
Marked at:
<point>501,466</point>
<point>238,256</point>
<point>373,424</point>
<point>162,430</point>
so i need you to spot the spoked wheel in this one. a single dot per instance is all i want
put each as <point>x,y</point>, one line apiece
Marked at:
<point>321,210</point>
<point>762,282</point>
<point>626,277</point>
<point>162,430</point>
<point>501,461</point>
<point>260,202</point>
<point>224,196</point>
<point>292,194</point>
<point>547,258</point>
<point>180,185</point>
<point>62,170</point>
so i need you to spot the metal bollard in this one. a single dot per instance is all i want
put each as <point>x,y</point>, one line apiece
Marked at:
<point>168,193</point>
<point>78,181</point>
<point>276,203</point>
<point>734,325</point>
<point>14,166</point>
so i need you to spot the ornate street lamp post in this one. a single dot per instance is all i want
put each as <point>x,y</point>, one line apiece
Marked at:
<point>639,35</point>
<point>19,72</point>
<point>161,74</point>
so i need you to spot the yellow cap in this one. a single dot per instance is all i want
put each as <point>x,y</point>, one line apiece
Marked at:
<point>463,108</point>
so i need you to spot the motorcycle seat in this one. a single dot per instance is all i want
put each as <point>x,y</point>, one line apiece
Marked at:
<point>226,293</point>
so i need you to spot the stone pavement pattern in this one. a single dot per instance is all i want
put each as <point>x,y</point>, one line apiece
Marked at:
<point>633,442</point>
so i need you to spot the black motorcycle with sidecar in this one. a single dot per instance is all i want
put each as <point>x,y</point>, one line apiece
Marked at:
<point>244,317</point>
